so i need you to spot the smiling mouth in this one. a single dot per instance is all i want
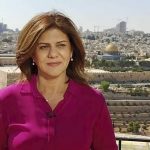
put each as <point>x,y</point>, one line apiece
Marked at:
<point>54,64</point>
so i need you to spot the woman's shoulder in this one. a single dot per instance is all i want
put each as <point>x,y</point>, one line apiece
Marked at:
<point>85,90</point>
<point>12,89</point>
<point>88,96</point>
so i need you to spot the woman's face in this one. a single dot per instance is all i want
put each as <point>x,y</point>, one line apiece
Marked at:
<point>52,54</point>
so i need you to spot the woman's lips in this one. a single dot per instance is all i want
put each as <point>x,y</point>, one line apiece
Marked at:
<point>54,64</point>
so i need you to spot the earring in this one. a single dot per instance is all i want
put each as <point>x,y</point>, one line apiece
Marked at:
<point>33,63</point>
<point>71,59</point>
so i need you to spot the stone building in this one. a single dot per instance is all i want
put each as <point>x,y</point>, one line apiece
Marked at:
<point>7,59</point>
<point>111,53</point>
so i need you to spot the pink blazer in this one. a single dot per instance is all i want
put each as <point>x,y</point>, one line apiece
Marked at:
<point>80,121</point>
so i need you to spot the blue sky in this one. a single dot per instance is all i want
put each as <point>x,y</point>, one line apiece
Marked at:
<point>85,13</point>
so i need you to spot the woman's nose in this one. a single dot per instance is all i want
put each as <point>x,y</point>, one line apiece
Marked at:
<point>52,53</point>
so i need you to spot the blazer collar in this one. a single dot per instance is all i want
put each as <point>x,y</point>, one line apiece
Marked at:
<point>30,86</point>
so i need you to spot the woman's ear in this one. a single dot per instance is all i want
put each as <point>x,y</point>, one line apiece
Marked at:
<point>71,53</point>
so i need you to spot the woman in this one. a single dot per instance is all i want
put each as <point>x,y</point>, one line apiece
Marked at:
<point>52,107</point>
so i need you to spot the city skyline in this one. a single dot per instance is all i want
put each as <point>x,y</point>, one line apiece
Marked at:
<point>102,14</point>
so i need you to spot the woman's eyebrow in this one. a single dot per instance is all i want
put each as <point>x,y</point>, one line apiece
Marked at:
<point>43,43</point>
<point>62,41</point>
<point>49,43</point>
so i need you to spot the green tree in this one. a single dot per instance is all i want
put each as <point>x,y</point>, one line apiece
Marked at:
<point>133,127</point>
<point>130,127</point>
<point>105,85</point>
<point>136,127</point>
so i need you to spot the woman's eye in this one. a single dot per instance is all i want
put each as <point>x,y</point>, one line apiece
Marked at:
<point>43,47</point>
<point>61,45</point>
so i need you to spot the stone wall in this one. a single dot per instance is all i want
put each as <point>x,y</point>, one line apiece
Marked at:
<point>120,76</point>
<point>7,61</point>
<point>3,79</point>
<point>123,96</point>
<point>8,78</point>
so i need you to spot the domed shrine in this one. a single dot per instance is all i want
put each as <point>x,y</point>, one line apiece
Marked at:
<point>111,52</point>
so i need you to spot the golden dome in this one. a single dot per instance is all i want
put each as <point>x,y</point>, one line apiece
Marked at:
<point>110,48</point>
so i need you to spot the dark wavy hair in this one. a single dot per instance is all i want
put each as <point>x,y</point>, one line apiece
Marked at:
<point>30,34</point>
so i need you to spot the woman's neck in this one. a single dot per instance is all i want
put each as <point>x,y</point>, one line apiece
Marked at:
<point>53,86</point>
